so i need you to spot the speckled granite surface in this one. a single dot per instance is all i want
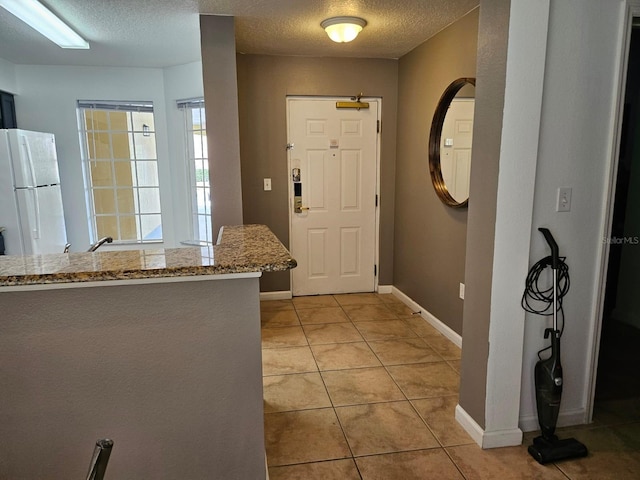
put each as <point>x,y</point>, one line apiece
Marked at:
<point>243,248</point>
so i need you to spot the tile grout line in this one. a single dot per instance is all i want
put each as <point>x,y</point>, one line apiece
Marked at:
<point>455,464</point>
<point>413,407</point>
<point>407,399</point>
<point>333,407</point>
<point>448,450</point>
<point>368,344</point>
<point>344,433</point>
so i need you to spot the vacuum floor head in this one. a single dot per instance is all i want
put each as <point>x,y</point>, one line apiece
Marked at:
<point>545,451</point>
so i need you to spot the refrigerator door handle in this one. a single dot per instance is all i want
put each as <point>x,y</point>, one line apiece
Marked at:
<point>25,143</point>
<point>35,232</point>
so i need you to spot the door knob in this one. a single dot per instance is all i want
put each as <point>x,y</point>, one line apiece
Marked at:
<point>297,208</point>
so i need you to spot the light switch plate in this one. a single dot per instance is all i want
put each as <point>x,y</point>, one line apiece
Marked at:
<point>267,184</point>
<point>564,199</point>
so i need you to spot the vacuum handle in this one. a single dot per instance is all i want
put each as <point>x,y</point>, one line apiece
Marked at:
<point>554,247</point>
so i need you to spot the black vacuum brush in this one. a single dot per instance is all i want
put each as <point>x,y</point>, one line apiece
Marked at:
<point>548,372</point>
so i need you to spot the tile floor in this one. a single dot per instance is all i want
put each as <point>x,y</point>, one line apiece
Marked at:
<point>356,387</point>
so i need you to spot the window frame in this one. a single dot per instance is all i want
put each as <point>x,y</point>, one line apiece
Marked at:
<point>200,223</point>
<point>130,107</point>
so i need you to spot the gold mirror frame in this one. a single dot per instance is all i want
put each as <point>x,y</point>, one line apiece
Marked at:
<point>435,136</point>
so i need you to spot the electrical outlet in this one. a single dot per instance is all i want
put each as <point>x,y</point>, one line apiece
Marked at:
<point>564,200</point>
<point>462,291</point>
<point>267,184</point>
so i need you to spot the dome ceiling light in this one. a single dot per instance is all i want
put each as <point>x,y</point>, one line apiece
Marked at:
<point>343,29</point>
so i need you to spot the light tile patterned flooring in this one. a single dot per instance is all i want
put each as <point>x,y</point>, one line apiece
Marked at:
<point>356,387</point>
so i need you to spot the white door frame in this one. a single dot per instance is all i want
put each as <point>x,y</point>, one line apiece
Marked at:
<point>377,100</point>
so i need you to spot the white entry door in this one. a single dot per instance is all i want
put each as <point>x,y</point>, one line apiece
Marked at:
<point>333,166</point>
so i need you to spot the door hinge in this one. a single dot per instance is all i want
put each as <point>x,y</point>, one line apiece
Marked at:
<point>289,146</point>
<point>375,270</point>
<point>378,126</point>
<point>376,199</point>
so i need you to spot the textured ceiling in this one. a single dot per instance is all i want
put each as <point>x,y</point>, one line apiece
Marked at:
<point>161,33</point>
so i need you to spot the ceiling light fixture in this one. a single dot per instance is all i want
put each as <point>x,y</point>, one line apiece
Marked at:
<point>343,29</point>
<point>39,17</point>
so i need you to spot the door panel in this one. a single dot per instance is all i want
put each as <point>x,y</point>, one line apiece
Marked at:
<point>351,127</point>
<point>316,180</point>
<point>350,190</point>
<point>462,172</point>
<point>334,236</point>
<point>317,253</point>
<point>350,251</point>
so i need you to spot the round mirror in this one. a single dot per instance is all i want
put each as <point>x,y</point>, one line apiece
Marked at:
<point>450,143</point>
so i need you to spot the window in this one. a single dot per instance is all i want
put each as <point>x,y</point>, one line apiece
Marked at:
<point>7,111</point>
<point>121,170</point>
<point>198,168</point>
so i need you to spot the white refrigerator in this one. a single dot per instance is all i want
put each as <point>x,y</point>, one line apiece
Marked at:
<point>31,210</point>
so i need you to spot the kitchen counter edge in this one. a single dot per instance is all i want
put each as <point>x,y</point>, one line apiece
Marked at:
<point>241,249</point>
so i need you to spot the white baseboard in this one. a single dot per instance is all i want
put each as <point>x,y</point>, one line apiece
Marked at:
<point>497,439</point>
<point>282,295</point>
<point>469,424</point>
<point>385,289</point>
<point>431,319</point>
<point>502,438</point>
<point>529,423</point>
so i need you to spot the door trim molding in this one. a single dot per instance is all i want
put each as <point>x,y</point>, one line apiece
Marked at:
<point>632,9</point>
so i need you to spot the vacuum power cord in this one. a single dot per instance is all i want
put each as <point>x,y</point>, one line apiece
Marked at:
<point>539,300</point>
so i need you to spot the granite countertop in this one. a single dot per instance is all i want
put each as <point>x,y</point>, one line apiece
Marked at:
<point>242,249</point>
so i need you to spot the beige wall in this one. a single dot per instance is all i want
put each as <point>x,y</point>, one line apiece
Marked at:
<point>170,371</point>
<point>490,85</point>
<point>218,45</point>
<point>430,238</point>
<point>263,84</point>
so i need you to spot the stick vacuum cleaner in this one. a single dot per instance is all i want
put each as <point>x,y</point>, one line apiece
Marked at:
<point>548,372</point>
